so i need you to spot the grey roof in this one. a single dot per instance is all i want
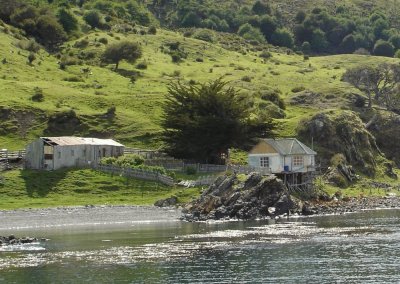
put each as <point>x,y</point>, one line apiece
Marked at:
<point>72,140</point>
<point>290,146</point>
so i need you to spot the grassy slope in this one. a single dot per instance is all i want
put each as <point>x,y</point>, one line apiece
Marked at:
<point>139,105</point>
<point>31,189</point>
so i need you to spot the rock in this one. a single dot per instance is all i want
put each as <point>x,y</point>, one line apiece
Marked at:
<point>253,198</point>
<point>168,202</point>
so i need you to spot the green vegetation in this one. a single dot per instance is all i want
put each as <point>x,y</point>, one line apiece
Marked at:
<point>203,122</point>
<point>33,189</point>
<point>56,79</point>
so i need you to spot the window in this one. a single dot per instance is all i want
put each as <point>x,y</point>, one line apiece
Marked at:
<point>72,153</point>
<point>298,161</point>
<point>48,156</point>
<point>264,162</point>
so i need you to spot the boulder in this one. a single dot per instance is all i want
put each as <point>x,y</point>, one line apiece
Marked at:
<point>258,196</point>
<point>168,202</point>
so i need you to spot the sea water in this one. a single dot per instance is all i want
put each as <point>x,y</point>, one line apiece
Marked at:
<point>352,248</point>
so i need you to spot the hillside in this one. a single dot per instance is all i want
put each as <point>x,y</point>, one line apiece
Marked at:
<point>67,89</point>
<point>138,104</point>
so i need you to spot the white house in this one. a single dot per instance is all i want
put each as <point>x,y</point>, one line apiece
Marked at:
<point>286,155</point>
<point>52,153</point>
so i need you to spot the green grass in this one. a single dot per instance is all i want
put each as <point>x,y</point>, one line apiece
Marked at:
<point>138,105</point>
<point>35,189</point>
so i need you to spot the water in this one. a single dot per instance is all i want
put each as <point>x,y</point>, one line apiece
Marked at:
<point>354,248</point>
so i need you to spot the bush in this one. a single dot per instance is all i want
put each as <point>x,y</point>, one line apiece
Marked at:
<point>298,89</point>
<point>360,101</point>
<point>205,35</point>
<point>246,79</point>
<point>38,95</point>
<point>103,40</point>
<point>81,43</point>
<point>142,65</point>
<point>73,79</point>
<point>265,54</point>
<point>152,30</point>
<point>383,48</point>
<point>29,45</point>
<point>31,58</point>
<point>93,18</point>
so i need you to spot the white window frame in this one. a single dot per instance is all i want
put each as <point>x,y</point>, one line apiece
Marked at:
<point>264,162</point>
<point>298,161</point>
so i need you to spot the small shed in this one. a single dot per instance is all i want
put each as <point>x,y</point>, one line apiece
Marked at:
<point>286,155</point>
<point>52,153</point>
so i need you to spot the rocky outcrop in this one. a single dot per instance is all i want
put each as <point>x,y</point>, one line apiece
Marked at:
<point>387,132</point>
<point>12,240</point>
<point>168,202</point>
<point>257,196</point>
<point>342,133</point>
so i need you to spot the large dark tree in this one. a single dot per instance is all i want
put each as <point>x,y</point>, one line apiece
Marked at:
<point>124,50</point>
<point>202,122</point>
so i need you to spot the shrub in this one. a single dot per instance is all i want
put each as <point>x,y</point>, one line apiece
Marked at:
<point>298,89</point>
<point>246,79</point>
<point>383,48</point>
<point>103,40</point>
<point>38,95</point>
<point>31,58</point>
<point>93,19</point>
<point>199,59</point>
<point>152,30</point>
<point>265,54</point>
<point>360,101</point>
<point>29,45</point>
<point>205,35</point>
<point>362,51</point>
<point>81,43</point>
<point>111,111</point>
<point>142,65</point>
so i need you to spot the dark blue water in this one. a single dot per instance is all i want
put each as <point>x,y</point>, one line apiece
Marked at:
<point>354,248</point>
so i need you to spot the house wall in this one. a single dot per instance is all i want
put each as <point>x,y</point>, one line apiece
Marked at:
<point>67,156</point>
<point>277,162</point>
<point>83,155</point>
<point>34,155</point>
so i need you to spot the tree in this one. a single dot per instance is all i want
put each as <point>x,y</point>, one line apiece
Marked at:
<point>282,37</point>
<point>318,41</point>
<point>67,20</point>
<point>383,48</point>
<point>93,18</point>
<point>380,81</point>
<point>260,8</point>
<point>50,32</point>
<point>249,32</point>
<point>268,26</point>
<point>125,50</point>
<point>348,44</point>
<point>202,122</point>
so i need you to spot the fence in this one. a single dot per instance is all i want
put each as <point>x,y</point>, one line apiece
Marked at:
<point>148,154</point>
<point>12,155</point>
<point>136,173</point>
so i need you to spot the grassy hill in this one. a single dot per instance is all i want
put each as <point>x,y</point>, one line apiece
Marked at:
<point>138,103</point>
<point>80,98</point>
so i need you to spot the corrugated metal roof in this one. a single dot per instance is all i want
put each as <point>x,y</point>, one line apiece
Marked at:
<point>290,146</point>
<point>72,140</point>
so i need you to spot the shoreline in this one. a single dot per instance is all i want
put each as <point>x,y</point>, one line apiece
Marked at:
<point>119,216</point>
<point>100,216</point>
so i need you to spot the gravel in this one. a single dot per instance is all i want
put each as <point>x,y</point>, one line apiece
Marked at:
<point>23,219</point>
